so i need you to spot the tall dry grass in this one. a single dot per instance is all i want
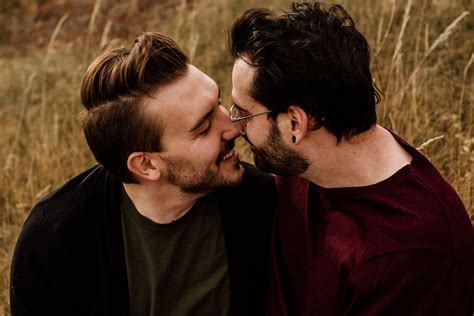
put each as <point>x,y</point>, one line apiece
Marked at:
<point>422,60</point>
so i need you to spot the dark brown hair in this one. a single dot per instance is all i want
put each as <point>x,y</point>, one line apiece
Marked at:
<point>113,92</point>
<point>314,57</point>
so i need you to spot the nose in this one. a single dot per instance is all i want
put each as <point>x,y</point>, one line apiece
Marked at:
<point>229,131</point>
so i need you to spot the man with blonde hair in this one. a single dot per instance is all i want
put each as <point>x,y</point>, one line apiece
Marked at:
<point>158,227</point>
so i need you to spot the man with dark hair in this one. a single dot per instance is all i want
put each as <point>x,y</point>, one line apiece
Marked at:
<point>158,228</point>
<point>369,226</point>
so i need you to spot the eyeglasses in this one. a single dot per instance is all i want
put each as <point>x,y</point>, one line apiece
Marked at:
<point>240,122</point>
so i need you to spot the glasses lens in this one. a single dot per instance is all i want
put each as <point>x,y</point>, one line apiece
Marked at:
<point>234,112</point>
<point>240,126</point>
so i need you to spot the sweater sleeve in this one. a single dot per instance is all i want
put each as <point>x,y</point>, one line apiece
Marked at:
<point>409,282</point>
<point>31,279</point>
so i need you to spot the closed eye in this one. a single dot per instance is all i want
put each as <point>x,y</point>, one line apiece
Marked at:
<point>204,132</point>
<point>208,118</point>
<point>242,112</point>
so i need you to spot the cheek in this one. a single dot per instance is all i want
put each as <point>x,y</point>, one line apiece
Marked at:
<point>256,135</point>
<point>208,149</point>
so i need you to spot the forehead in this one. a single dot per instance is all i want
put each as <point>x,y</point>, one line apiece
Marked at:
<point>180,104</point>
<point>242,78</point>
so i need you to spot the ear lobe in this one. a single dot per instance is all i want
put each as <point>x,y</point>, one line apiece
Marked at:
<point>299,123</point>
<point>143,166</point>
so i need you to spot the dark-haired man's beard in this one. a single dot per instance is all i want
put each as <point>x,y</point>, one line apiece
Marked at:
<point>191,177</point>
<point>275,157</point>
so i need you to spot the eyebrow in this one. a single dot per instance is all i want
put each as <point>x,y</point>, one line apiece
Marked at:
<point>239,107</point>
<point>236,105</point>
<point>204,118</point>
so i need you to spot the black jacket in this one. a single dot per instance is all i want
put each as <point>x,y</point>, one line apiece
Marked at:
<point>69,258</point>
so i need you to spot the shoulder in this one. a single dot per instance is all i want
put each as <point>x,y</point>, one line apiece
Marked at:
<point>75,199</point>
<point>425,174</point>
<point>64,211</point>
<point>431,201</point>
<point>80,183</point>
<point>61,247</point>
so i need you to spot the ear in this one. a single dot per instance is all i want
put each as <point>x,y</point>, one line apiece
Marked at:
<point>299,123</point>
<point>143,166</point>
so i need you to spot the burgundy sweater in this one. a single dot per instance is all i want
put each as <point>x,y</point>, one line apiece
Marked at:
<point>403,246</point>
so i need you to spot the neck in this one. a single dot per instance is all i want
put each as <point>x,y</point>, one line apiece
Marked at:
<point>365,159</point>
<point>161,204</point>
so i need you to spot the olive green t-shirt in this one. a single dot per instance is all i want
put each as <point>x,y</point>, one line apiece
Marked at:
<point>178,268</point>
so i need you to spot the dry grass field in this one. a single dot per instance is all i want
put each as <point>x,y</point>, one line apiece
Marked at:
<point>422,60</point>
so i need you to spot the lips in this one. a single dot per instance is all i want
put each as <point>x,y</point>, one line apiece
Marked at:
<point>228,152</point>
<point>229,155</point>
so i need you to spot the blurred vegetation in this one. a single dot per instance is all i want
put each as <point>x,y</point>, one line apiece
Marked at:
<point>422,60</point>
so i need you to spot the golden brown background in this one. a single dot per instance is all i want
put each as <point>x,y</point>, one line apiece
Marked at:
<point>422,60</point>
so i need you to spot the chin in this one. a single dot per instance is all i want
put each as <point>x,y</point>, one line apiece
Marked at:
<point>234,177</point>
<point>237,174</point>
